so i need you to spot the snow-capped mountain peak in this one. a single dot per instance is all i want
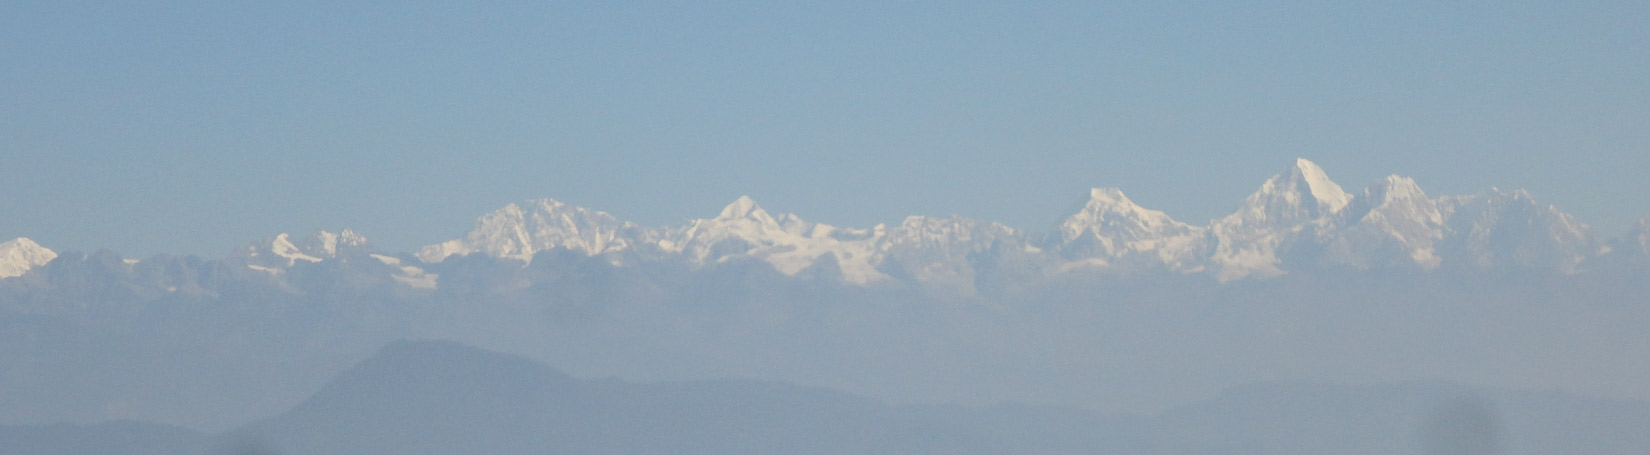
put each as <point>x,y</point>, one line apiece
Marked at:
<point>1298,194</point>
<point>1109,210</point>
<point>346,238</point>
<point>1329,196</point>
<point>745,208</point>
<point>283,247</point>
<point>1111,227</point>
<point>1393,197</point>
<point>1247,241</point>
<point>518,233</point>
<point>945,234</point>
<point>744,230</point>
<point>283,251</point>
<point>21,254</point>
<point>1392,222</point>
<point>1502,227</point>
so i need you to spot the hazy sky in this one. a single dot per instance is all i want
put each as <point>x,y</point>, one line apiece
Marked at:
<point>198,127</point>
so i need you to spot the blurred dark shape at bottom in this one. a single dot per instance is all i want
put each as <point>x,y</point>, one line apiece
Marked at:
<point>1463,426</point>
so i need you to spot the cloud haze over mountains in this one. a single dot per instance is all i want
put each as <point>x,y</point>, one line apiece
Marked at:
<point>1119,308</point>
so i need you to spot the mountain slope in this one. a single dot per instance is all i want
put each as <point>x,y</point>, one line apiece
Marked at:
<point>1248,240</point>
<point>744,230</point>
<point>1392,223</point>
<point>19,255</point>
<point>1508,228</point>
<point>1111,229</point>
<point>518,233</point>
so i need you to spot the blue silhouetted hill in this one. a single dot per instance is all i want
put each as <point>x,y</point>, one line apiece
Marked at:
<point>442,397</point>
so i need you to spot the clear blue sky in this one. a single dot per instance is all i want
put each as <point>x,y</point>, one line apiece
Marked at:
<point>149,127</point>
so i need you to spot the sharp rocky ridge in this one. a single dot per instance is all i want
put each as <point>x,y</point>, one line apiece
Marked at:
<point>1298,219</point>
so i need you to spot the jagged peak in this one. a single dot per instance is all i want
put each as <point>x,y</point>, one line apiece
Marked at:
<point>1109,195</point>
<point>1394,187</point>
<point>510,209</point>
<point>1499,194</point>
<point>1103,203</point>
<point>348,237</point>
<point>1299,194</point>
<point>283,246</point>
<point>19,255</point>
<point>1495,197</point>
<point>330,242</point>
<point>1111,215</point>
<point>919,223</point>
<point>285,250</point>
<point>1326,192</point>
<point>744,207</point>
<point>548,204</point>
<point>22,243</point>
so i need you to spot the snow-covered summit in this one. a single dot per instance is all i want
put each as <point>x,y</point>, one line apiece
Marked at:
<point>1299,194</point>
<point>1111,227</point>
<point>950,235</point>
<point>1392,223</point>
<point>744,230</point>
<point>744,208</point>
<point>1247,241</point>
<point>329,242</point>
<point>944,254</point>
<point>519,232</point>
<point>1502,227</point>
<point>19,255</point>
<point>282,250</point>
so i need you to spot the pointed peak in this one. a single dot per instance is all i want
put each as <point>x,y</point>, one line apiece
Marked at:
<point>327,243</point>
<point>547,204</point>
<point>348,237</point>
<point>21,242</point>
<point>511,210</point>
<point>21,254</point>
<point>1306,175</point>
<point>1499,195</point>
<point>1110,195</point>
<point>744,207</point>
<point>1394,186</point>
<point>1306,165</point>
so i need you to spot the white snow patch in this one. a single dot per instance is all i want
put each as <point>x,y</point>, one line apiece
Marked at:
<point>409,275</point>
<point>282,246</point>
<point>20,255</point>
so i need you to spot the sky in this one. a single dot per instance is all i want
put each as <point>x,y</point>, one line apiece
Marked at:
<point>198,127</point>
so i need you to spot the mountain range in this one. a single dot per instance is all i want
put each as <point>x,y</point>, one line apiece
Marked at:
<point>1299,219</point>
<point>1117,308</point>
